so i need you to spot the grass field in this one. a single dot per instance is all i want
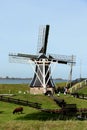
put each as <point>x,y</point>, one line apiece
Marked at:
<point>82,90</point>
<point>33,119</point>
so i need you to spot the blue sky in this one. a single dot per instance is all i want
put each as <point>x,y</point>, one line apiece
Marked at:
<point>19,24</point>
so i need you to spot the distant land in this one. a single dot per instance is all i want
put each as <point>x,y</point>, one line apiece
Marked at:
<point>25,78</point>
<point>14,78</point>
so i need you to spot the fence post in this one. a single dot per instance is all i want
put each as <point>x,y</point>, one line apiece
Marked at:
<point>80,85</point>
<point>85,82</point>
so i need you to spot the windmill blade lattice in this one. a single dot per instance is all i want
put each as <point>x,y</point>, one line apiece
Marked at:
<point>21,58</point>
<point>43,39</point>
<point>62,58</point>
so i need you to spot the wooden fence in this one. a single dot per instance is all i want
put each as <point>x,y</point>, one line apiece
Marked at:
<point>78,86</point>
<point>81,96</point>
<point>69,109</point>
<point>20,102</point>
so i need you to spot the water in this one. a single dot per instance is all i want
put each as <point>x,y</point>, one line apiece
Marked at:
<point>23,81</point>
<point>15,81</point>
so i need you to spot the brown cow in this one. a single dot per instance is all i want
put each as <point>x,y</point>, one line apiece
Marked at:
<point>18,110</point>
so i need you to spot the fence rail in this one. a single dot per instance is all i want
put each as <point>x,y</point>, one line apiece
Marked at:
<point>69,109</point>
<point>78,86</point>
<point>21,102</point>
<point>81,96</point>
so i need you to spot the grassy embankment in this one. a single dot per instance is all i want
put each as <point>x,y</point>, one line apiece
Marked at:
<point>33,119</point>
<point>82,90</point>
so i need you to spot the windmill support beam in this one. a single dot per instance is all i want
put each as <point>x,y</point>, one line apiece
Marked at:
<point>32,65</point>
<point>42,75</point>
<point>51,72</point>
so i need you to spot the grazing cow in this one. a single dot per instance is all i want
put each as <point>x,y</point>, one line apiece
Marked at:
<point>18,110</point>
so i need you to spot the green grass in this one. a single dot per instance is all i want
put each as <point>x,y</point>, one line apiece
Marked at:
<point>71,100</point>
<point>13,88</point>
<point>82,90</point>
<point>33,119</point>
<point>61,84</point>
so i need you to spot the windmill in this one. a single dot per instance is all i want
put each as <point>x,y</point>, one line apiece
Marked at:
<point>41,63</point>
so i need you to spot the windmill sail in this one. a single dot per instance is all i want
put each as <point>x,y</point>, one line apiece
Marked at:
<point>62,58</point>
<point>43,39</point>
<point>20,55</point>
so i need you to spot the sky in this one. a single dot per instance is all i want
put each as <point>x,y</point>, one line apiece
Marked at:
<point>19,24</point>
